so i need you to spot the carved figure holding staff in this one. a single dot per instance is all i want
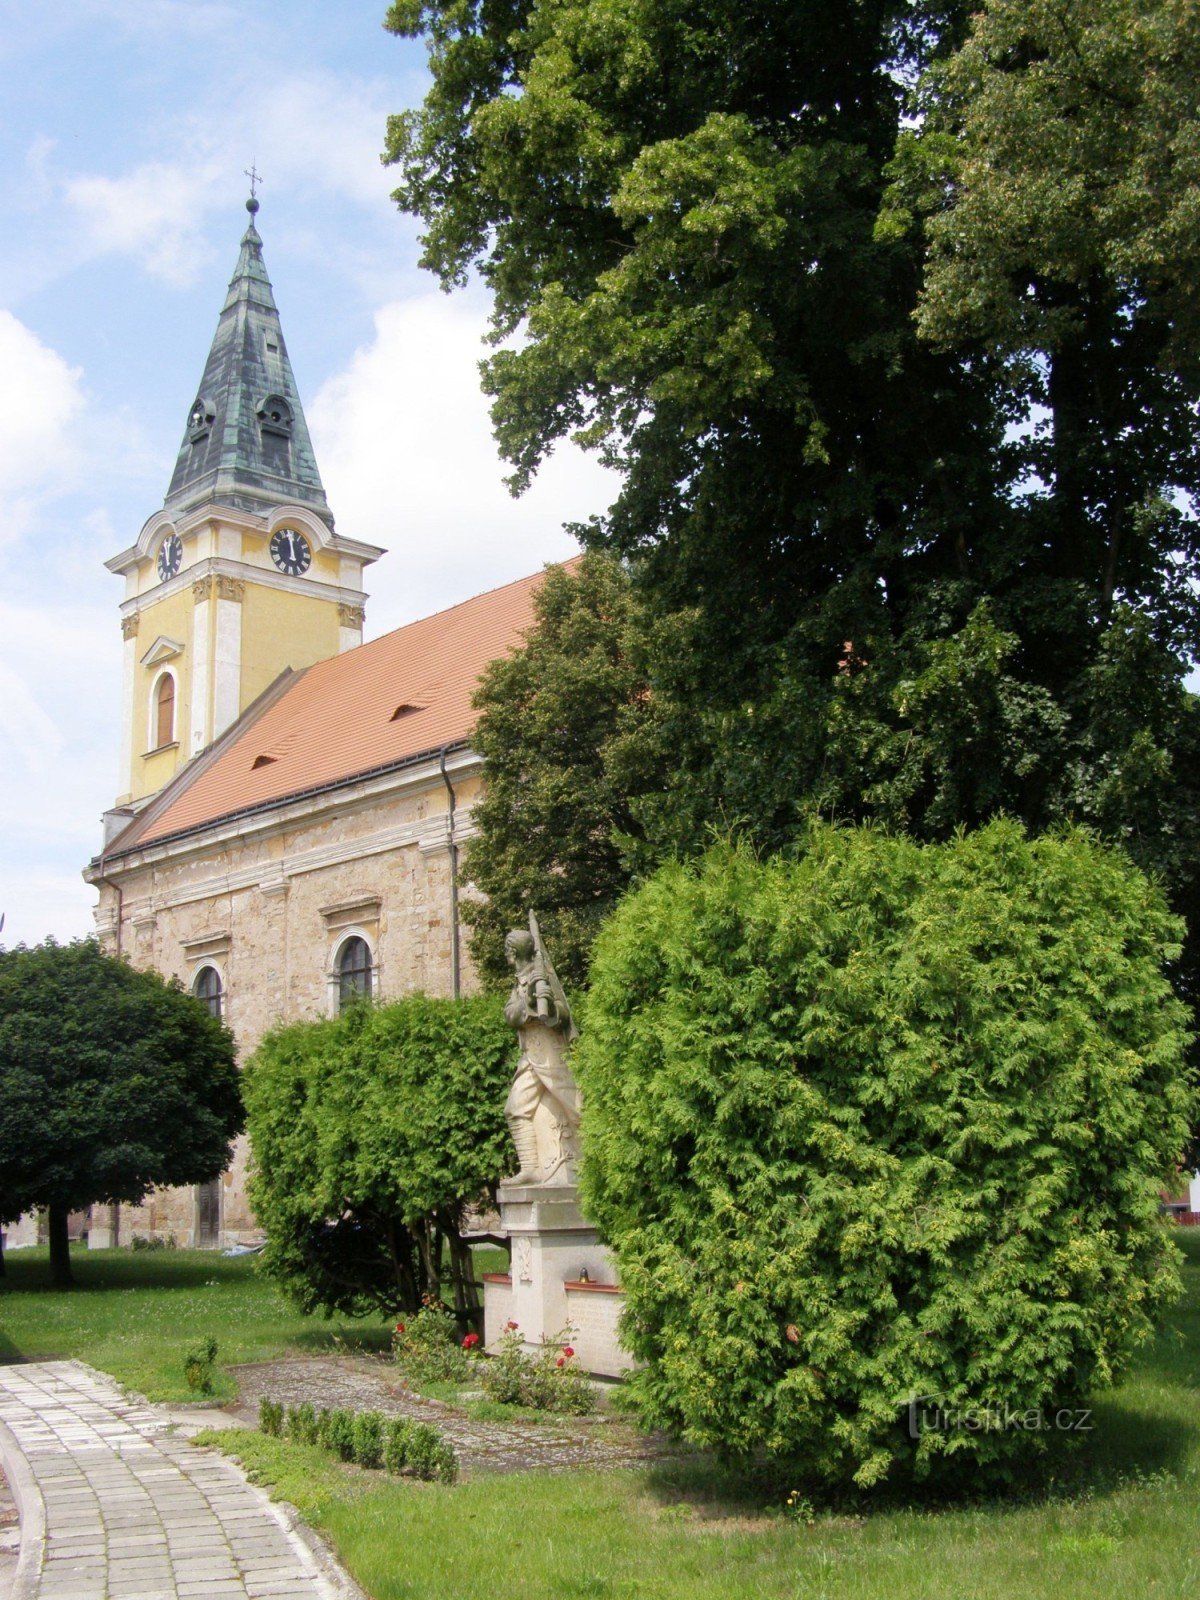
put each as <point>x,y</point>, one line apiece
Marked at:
<point>542,1109</point>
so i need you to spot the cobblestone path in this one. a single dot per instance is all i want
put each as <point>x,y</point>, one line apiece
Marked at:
<point>114,1506</point>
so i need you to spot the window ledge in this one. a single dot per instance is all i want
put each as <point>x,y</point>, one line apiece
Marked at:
<point>159,748</point>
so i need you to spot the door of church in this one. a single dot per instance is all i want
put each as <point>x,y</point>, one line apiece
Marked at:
<point>208,1214</point>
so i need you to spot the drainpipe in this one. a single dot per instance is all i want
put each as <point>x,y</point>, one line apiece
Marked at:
<point>454,959</point>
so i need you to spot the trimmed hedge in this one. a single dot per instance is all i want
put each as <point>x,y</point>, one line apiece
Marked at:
<point>369,1134</point>
<point>885,1121</point>
<point>366,1438</point>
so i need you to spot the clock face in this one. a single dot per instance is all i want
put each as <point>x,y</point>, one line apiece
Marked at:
<point>170,556</point>
<point>290,551</point>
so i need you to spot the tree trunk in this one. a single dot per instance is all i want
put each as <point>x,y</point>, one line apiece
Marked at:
<point>60,1247</point>
<point>2,1269</point>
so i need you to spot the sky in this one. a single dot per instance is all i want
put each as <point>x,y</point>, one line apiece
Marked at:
<point>128,128</point>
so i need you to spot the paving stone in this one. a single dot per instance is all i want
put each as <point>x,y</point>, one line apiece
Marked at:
<point>133,1512</point>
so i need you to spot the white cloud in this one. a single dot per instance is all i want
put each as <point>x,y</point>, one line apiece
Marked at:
<point>58,681</point>
<point>153,212</point>
<point>40,397</point>
<point>314,133</point>
<point>319,131</point>
<point>406,452</point>
<point>39,903</point>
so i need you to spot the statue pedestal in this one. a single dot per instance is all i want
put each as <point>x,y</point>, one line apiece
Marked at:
<point>545,1295</point>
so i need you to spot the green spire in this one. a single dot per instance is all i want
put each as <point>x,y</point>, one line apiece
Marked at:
<point>246,443</point>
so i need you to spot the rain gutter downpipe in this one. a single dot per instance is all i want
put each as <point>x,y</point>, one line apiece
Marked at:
<point>454,955</point>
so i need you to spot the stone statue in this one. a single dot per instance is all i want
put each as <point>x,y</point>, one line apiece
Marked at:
<point>542,1109</point>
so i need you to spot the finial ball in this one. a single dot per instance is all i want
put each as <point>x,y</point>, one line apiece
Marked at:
<point>252,205</point>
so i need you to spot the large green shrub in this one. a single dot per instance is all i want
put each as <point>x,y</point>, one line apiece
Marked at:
<point>370,1132</point>
<point>884,1121</point>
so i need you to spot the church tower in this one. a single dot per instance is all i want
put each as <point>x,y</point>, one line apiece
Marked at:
<point>241,574</point>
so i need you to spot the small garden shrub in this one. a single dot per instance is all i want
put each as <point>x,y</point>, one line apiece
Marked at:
<point>428,1346</point>
<point>337,1435</point>
<point>270,1417</point>
<point>550,1380</point>
<point>368,1438</point>
<point>428,1455</point>
<point>880,1121</point>
<point>301,1424</point>
<point>395,1444</point>
<point>198,1366</point>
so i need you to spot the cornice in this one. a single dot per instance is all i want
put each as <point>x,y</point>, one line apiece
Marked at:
<point>348,797</point>
<point>225,568</point>
<point>263,524</point>
<point>273,878</point>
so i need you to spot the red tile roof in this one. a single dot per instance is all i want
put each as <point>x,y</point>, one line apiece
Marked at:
<point>370,708</point>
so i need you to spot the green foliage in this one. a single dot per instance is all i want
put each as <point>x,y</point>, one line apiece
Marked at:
<point>549,1379</point>
<point>270,1417</point>
<point>301,1423</point>
<point>368,1438</point>
<point>395,1444</point>
<point>113,1081</point>
<point>370,1133</point>
<point>553,812</point>
<point>198,1366</point>
<point>885,1121</point>
<point>335,1432</point>
<point>428,1346</point>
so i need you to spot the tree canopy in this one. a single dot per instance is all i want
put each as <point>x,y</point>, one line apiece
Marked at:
<point>112,1081</point>
<point>885,1121</point>
<point>556,808</point>
<point>887,314</point>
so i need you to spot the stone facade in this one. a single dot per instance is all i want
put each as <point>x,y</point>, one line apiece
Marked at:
<point>268,901</point>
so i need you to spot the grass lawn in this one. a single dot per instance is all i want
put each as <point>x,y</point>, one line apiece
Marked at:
<point>136,1314</point>
<point>1116,1518</point>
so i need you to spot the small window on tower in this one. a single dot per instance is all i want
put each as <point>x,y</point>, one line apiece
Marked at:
<point>164,710</point>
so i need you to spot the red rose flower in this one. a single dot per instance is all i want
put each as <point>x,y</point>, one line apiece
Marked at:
<point>399,1327</point>
<point>511,1326</point>
<point>561,1362</point>
<point>567,1350</point>
<point>471,1340</point>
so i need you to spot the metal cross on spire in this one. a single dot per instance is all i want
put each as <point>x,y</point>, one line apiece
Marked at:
<point>255,179</point>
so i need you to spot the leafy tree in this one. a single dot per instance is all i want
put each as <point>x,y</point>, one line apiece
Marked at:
<point>677,205</point>
<point>553,813</point>
<point>905,407</point>
<point>885,1121</point>
<point>112,1081</point>
<point>1060,151</point>
<point>371,1133</point>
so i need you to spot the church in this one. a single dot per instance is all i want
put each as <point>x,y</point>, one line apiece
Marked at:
<point>293,800</point>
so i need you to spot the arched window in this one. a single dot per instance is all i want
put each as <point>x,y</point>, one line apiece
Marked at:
<point>354,971</point>
<point>164,710</point>
<point>209,991</point>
